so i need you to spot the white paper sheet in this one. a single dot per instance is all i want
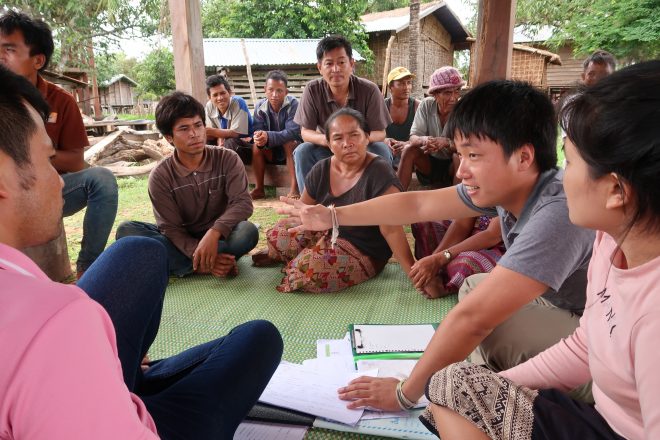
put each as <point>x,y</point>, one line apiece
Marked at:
<point>310,391</point>
<point>270,431</point>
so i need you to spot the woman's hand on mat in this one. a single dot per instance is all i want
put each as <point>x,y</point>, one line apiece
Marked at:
<point>306,217</point>
<point>206,251</point>
<point>375,392</point>
<point>425,269</point>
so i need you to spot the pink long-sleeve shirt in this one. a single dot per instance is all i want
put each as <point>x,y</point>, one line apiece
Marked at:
<point>616,344</point>
<point>60,377</point>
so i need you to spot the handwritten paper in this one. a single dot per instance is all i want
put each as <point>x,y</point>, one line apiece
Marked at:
<point>310,391</point>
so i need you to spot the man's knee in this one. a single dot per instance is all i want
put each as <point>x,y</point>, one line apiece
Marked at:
<point>470,283</point>
<point>381,149</point>
<point>302,151</point>
<point>130,229</point>
<point>103,180</point>
<point>245,232</point>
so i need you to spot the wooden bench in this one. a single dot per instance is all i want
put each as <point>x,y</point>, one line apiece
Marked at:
<point>278,176</point>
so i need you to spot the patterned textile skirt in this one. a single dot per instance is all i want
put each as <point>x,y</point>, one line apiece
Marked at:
<point>428,236</point>
<point>311,265</point>
<point>504,410</point>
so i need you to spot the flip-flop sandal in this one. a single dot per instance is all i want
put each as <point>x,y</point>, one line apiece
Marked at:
<point>293,196</point>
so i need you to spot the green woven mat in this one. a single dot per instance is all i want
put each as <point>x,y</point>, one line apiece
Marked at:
<point>200,308</point>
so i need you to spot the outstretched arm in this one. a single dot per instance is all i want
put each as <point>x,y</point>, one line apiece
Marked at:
<point>393,209</point>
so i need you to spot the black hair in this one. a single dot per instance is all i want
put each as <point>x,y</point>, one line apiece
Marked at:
<point>511,113</point>
<point>16,124</point>
<point>278,75</point>
<point>614,126</point>
<point>332,42</point>
<point>175,106</point>
<point>36,33</point>
<point>215,81</point>
<point>600,57</point>
<point>346,111</point>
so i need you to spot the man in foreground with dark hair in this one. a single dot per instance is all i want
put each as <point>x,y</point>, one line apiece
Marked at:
<point>26,45</point>
<point>597,66</point>
<point>71,355</point>
<point>535,294</point>
<point>275,133</point>
<point>337,88</point>
<point>199,195</point>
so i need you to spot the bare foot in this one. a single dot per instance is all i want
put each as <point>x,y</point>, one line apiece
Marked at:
<point>257,193</point>
<point>262,259</point>
<point>435,289</point>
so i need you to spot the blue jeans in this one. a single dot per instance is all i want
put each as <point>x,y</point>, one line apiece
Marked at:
<point>307,154</point>
<point>242,239</point>
<point>95,188</point>
<point>203,392</point>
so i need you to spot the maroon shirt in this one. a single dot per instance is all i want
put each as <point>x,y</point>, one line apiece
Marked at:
<point>188,203</point>
<point>317,104</point>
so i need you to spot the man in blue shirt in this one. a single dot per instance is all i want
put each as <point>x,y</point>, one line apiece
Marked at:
<point>276,135</point>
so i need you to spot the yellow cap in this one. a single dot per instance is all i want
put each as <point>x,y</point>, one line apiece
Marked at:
<point>398,73</point>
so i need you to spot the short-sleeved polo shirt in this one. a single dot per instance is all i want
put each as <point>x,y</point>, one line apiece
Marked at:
<point>317,104</point>
<point>236,118</point>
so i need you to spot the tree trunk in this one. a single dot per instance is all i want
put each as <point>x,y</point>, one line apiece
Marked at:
<point>417,91</point>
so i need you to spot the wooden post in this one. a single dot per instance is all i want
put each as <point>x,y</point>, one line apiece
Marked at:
<point>188,48</point>
<point>52,257</point>
<point>386,66</point>
<point>494,45</point>
<point>95,85</point>
<point>413,43</point>
<point>248,68</point>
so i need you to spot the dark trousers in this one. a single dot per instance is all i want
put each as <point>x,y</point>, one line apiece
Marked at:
<point>203,392</point>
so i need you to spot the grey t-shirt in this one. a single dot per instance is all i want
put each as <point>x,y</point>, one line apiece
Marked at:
<point>377,178</point>
<point>543,244</point>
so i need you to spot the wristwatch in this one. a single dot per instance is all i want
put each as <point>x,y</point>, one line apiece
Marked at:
<point>447,255</point>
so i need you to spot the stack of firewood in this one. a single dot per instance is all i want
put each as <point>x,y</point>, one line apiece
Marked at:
<point>129,152</point>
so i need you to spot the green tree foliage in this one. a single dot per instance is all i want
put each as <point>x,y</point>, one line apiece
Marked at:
<point>285,19</point>
<point>155,74</point>
<point>630,29</point>
<point>385,5</point>
<point>76,23</point>
<point>111,64</point>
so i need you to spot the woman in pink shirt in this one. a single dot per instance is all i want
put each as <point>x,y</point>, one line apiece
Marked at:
<point>611,183</point>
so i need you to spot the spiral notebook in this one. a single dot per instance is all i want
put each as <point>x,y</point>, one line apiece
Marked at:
<point>390,341</point>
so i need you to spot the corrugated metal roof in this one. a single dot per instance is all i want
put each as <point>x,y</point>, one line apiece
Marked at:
<point>399,19</point>
<point>262,51</point>
<point>116,78</point>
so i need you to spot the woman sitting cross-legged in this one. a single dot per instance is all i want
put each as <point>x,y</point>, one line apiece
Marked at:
<point>611,184</point>
<point>351,175</point>
<point>455,249</point>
